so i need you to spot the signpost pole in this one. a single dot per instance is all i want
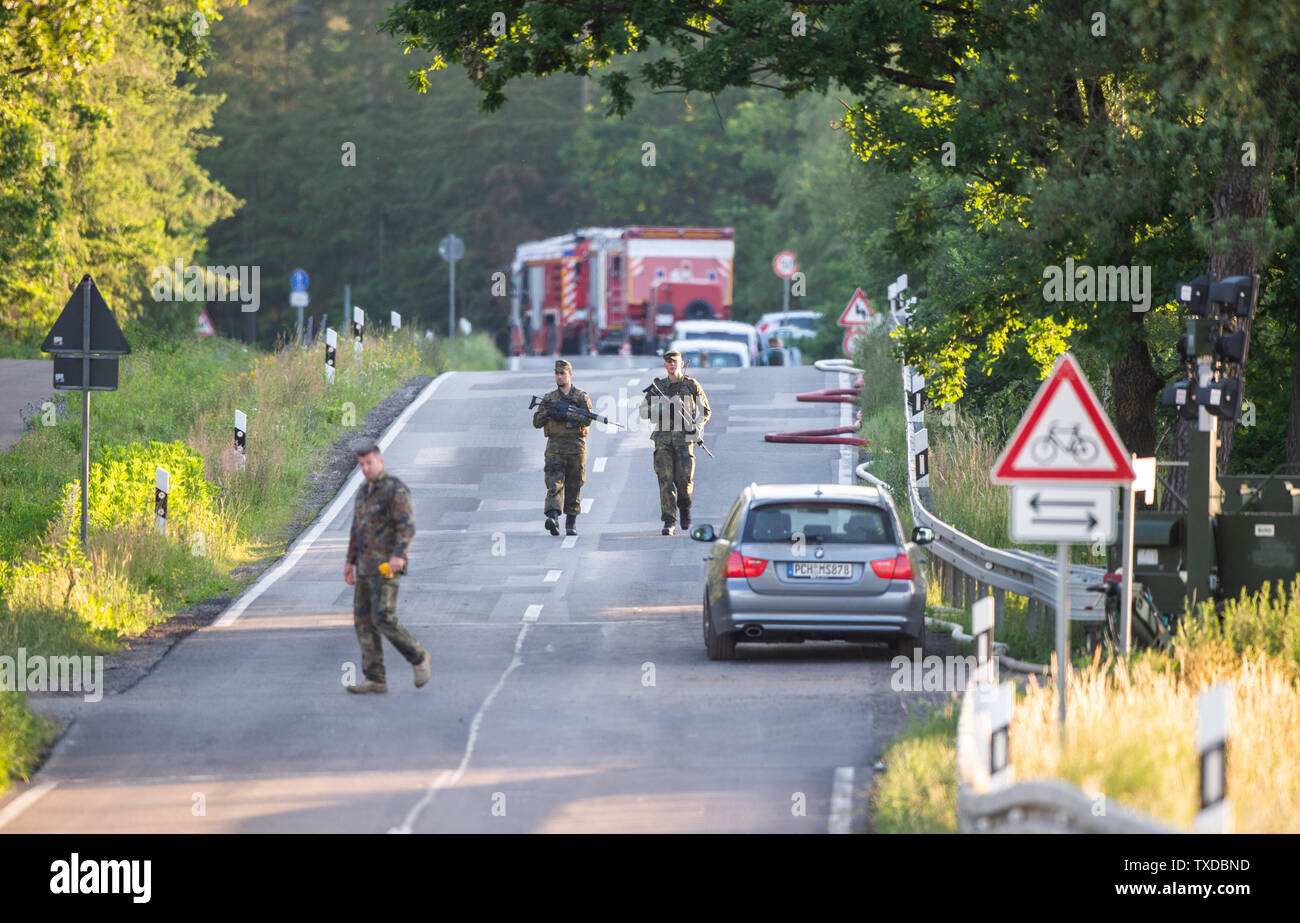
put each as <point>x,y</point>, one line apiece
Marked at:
<point>85,407</point>
<point>451,301</point>
<point>1062,626</point>
<point>1126,561</point>
<point>785,294</point>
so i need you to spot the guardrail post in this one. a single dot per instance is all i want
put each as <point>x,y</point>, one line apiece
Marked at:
<point>999,608</point>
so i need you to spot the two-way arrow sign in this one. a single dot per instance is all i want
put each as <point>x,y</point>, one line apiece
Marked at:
<point>1049,513</point>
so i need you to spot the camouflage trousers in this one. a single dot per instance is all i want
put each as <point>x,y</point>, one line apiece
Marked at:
<point>374,603</point>
<point>564,473</point>
<point>675,469</point>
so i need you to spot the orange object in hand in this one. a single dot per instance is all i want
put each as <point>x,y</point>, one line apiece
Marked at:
<point>383,569</point>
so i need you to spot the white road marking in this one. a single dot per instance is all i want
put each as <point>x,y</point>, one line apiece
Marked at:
<point>586,504</point>
<point>599,464</point>
<point>533,612</point>
<point>633,382</point>
<point>552,576</point>
<point>841,801</point>
<point>25,801</point>
<point>569,541</point>
<point>448,779</point>
<point>231,615</point>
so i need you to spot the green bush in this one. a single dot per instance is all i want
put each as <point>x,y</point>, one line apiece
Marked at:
<point>122,486</point>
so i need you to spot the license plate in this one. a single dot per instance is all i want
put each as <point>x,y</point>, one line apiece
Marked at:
<point>819,569</point>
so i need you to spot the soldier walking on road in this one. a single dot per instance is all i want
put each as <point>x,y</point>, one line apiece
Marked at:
<point>677,415</point>
<point>566,448</point>
<point>383,526</point>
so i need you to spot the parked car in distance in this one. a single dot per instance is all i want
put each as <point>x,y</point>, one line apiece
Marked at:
<point>797,562</point>
<point>712,354</point>
<point>731,330</point>
<point>789,325</point>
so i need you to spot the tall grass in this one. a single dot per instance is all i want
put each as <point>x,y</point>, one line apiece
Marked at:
<point>1130,734</point>
<point>918,792</point>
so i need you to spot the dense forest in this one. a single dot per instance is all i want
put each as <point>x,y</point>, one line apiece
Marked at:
<point>287,134</point>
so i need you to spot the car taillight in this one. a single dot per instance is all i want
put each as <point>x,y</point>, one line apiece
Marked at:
<point>899,568</point>
<point>740,566</point>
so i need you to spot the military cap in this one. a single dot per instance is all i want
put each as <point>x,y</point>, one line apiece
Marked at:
<point>672,354</point>
<point>562,365</point>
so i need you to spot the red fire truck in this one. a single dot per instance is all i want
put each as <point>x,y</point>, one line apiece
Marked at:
<point>617,289</point>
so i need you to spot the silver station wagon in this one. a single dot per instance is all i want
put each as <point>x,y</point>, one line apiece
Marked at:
<point>796,562</point>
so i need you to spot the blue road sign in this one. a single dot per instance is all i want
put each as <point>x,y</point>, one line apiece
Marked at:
<point>298,281</point>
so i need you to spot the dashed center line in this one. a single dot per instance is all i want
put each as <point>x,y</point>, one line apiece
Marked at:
<point>569,541</point>
<point>599,464</point>
<point>552,576</point>
<point>632,382</point>
<point>586,504</point>
<point>533,612</point>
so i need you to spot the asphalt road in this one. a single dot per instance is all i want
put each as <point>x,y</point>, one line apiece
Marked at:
<point>570,691</point>
<point>22,382</point>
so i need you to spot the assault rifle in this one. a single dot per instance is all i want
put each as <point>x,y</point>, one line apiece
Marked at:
<point>560,410</point>
<point>654,386</point>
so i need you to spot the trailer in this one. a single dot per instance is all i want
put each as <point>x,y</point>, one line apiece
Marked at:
<point>617,289</point>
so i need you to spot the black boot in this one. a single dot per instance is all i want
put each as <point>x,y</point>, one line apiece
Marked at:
<point>684,517</point>
<point>552,526</point>
<point>569,522</point>
<point>668,527</point>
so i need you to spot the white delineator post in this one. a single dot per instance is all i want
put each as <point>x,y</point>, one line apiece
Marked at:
<point>161,487</point>
<point>241,437</point>
<point>331,346</point>
<point>1214,717</point>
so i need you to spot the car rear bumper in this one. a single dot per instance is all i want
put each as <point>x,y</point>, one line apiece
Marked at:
<point>892,614</point>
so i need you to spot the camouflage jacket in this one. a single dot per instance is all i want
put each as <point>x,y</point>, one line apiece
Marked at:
<point>572,433</point>
<point>383,524</point>
<point>670,419</point>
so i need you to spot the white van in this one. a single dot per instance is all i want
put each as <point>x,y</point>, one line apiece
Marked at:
<point>731,330</point>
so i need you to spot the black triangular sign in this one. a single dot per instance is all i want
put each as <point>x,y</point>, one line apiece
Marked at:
<point>105,335</point>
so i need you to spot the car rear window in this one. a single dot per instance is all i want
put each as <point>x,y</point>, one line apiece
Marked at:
<point>712,360</point>
<point>819,523</point>
<point>715,335</point>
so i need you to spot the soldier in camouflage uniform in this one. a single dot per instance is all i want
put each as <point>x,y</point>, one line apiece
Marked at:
<point>566,449</point>
<point>675,438</point>
<point>382,528</point>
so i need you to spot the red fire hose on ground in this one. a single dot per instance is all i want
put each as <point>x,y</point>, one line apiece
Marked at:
<point>836,435</point>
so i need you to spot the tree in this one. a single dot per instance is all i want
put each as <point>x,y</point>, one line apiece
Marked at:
<point>97,151</point>
<point>1114,143</point>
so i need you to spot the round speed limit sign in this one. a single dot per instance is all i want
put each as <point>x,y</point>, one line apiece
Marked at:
<point>784,264</point>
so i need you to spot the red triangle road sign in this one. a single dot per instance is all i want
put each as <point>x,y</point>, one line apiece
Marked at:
<point>1064,435</point>
<point>204,326</point>
<point>858,311</point>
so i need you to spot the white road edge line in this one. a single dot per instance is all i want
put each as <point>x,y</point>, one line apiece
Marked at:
<point>300,547</point>
<point>25,801</point>
<point>447,779</point>
<point>599,464</point>
<point>841,820</point>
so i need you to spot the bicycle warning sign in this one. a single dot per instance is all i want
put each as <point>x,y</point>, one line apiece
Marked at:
<point>1064,436</point>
